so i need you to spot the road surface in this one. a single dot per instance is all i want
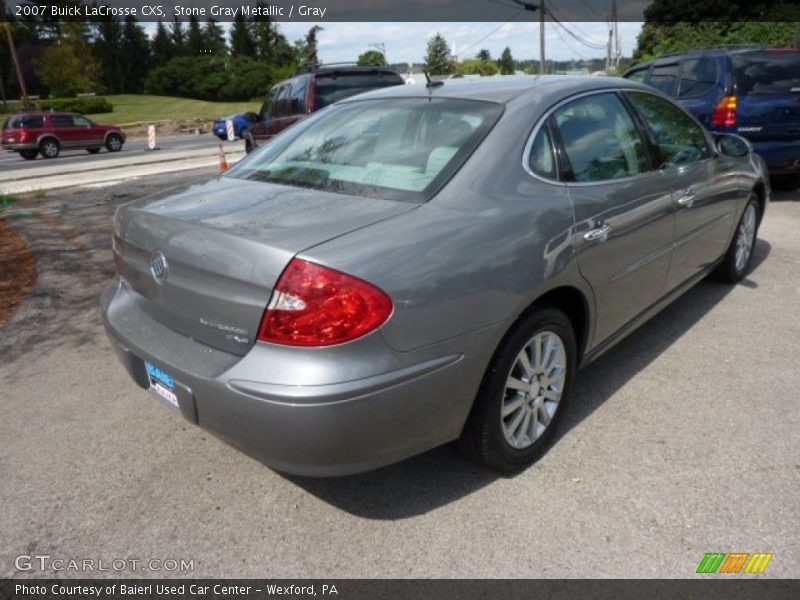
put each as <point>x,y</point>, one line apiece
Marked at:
<point>11,161</point>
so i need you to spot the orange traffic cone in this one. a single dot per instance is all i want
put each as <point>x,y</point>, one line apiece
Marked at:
<point>223,163</point>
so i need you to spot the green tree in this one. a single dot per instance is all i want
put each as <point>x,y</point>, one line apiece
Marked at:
<point>506,62</point>
<point>107,50</point>
<point>195,42</point>
<point>371,57</point>
<point>178,36</point>
<point>437,58</point>
<point>484,55</point>
<point>214,38</point>
<point>308,50</point>
<point>135,53</point>
<point>67,67</point>
<point>241,37</point>
<point>163,49</point>
<point>476,66</point>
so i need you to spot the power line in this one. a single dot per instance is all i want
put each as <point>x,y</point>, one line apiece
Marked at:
<point>473,44</point>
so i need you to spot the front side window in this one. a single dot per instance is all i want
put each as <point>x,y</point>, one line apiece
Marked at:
<point>388,148</point>
<point>81,122</point>
<point>679,139</point>
<point>600,140</point>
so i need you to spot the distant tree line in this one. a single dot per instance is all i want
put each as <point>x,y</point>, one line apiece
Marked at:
<point>60,58</point>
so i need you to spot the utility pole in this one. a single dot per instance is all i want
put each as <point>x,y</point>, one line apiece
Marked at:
<point>542,10</point>
<point>542,65</point>
<point>20,78</point>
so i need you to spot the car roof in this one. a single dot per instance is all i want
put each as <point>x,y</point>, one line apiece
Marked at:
<point>503,89</point>
<point>41,113</point>
<point>723,51</point>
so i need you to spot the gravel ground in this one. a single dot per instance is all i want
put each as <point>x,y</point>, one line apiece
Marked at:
<point>682,440</point>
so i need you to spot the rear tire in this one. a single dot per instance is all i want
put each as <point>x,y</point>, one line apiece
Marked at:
<point>242,133</point>
<point>249,143</point>
<point>114,143</point>
<point>28,154</point>
<point>93,150</point>
<point>523,393</point>
<point>49,148</point>
<point>785,183</point>
<point>739,254</point>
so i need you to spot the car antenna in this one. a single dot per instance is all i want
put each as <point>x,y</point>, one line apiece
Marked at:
<point>430,83</point>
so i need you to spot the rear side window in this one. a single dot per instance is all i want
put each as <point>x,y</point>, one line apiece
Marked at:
<point>664,77</point>
<point>698,77</point>
<point>297,96</point>
<point>332,87</point>
<point>600,140</point>
<point>541,159</point>
<point>36,122</point>
<point>281,105</point>
<point>765,73</point>
<point>680,140</point>
<point>637,75</point>
<point>61,120</point>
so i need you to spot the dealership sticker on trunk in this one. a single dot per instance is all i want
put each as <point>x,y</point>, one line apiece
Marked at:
<point>162,384</point>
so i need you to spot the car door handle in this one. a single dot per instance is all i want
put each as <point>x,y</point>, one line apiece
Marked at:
<point>598,234</point>
<point>687,200</point>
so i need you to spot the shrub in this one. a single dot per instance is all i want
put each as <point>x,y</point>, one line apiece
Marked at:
<point>85,105</point>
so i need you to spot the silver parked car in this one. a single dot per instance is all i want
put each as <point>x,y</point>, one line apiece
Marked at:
<point>422,264</point>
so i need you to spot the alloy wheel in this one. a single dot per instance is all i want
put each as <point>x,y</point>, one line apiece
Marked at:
<point>533,389</point>
<point>745,237</point>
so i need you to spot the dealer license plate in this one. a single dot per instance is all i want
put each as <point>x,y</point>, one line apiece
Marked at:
<point>162,384</point>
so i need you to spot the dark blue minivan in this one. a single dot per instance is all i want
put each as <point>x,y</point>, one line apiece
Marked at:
<point>753,92</point>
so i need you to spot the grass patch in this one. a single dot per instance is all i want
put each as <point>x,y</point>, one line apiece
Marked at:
<point>136,109</point>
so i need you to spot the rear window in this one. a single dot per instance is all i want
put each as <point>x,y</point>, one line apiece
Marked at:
<point>332,87</point>
<point>389,148</point>
<point>767,72</point>
<point>24,123</point>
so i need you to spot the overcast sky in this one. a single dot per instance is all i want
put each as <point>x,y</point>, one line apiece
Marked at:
<point>406,42</point>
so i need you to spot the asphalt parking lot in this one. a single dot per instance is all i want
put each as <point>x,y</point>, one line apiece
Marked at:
<point>682,440</point>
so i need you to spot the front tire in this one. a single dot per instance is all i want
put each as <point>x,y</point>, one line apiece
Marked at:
<point>114,143</point>
<point>523,393</point>
<point>739,255</point>
<point>49,148</point>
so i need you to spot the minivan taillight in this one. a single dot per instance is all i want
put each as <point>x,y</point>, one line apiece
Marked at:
<point>313,305</point>
<point>725,112</point>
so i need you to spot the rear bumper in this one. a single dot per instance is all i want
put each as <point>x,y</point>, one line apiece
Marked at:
<point>782,158</point>
<point>327,429</point>
<point>16,147</point>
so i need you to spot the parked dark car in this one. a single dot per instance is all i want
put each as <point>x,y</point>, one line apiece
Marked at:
<point>413,266</point>
<point>294,99</point>
<point>754,92</point>
<point>242,122</point>
<point>47,133</point>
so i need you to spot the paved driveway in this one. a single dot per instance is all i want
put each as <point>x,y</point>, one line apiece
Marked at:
<point>683,440</point>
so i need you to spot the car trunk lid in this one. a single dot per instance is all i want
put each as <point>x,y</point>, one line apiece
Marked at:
<point>226,243</point>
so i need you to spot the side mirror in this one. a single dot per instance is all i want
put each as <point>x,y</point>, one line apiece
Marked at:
<point>729,144</point>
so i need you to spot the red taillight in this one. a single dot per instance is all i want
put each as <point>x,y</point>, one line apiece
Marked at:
<point>313,305</point>
<point>725,112</point>
<point>23,135</point>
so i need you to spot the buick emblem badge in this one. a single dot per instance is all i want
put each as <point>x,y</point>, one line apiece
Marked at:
<point>159,268</point>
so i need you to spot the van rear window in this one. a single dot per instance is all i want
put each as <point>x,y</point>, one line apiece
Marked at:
<point>764,73</point>
<point>332,87</point>
<point>33,122</point>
